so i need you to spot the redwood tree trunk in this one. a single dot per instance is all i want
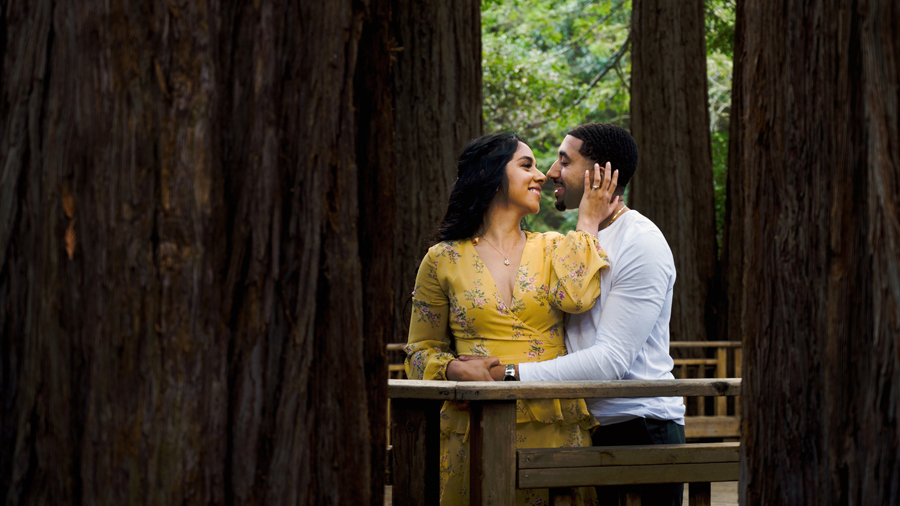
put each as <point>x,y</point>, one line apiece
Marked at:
<point>820,186</point>
<point>183,303</point>
<point>673,185</point>
<point>437,100</point>
<point>376,156</point>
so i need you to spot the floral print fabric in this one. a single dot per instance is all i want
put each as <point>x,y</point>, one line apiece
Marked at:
<point>457,310</point>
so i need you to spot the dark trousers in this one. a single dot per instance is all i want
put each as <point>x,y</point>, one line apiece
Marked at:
<point>641,431</point>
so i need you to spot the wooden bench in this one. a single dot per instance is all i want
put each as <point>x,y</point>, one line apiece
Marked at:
<point>497,468</point>
<point>716,423</point>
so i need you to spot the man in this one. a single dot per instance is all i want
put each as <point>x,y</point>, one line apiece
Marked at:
<point>626,334</point>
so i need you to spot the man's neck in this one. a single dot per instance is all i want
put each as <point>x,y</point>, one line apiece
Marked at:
<point>620,210</point>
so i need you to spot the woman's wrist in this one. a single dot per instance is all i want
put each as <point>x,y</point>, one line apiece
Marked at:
<point>589,226</point>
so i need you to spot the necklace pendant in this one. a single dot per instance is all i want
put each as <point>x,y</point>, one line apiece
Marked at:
<point>506,261</point>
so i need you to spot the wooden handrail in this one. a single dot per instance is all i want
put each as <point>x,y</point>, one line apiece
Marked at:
<point>672,344</point>
<point>609,389</point>
<point>705,344</point>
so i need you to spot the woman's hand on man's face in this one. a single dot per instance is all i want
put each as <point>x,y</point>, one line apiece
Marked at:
<point>597,202</point>
<point>471,368</point>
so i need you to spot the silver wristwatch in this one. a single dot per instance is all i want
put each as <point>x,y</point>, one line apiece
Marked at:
<point>510,373</point>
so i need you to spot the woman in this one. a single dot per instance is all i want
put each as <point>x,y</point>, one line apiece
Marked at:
<point>501,292</point>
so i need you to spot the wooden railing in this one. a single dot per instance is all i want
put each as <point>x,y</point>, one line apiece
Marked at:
<point>395,361</point>
<point>497,468</point>
<point>720,420</point>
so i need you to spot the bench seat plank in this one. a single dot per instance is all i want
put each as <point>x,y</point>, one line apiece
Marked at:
<point>543,458</point>
<point>712,426</point>
<point>624,475</point>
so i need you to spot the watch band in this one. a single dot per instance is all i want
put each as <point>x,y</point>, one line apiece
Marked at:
<point>510,373</point>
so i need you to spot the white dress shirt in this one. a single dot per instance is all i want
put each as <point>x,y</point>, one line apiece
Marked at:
<point>626,334</point>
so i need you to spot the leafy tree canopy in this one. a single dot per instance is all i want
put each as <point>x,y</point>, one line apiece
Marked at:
<point>552,64</point>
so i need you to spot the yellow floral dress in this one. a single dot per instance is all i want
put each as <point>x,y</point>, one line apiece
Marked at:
<point>455,291</point>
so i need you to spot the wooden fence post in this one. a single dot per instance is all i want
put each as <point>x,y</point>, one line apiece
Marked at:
<point>721,372</point>
<point>493,452</point>
<point>415,436</point>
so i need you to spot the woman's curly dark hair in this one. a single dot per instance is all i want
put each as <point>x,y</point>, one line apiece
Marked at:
<point>481,171</point>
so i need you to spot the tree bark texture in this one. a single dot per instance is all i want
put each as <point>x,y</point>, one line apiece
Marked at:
<point>437,101</point>
<point>197,251</point>
<point>377,161</point>
<point>673,185</point>
<point>819,181</point>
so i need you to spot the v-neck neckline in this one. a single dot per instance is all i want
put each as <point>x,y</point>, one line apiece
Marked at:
<point>509,305</point>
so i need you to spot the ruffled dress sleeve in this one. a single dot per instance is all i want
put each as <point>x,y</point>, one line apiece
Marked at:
<point>576,260</point>
<point>428,351</point>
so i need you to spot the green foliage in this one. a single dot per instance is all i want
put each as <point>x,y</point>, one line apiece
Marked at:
<point>540,58</point>
<point>720,27</point>
<point>552,64</point>
<point>719,63</point>
<point>719,142</point>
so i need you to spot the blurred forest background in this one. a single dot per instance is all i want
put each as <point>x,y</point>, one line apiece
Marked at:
<point>212,213</point>
<point>552,64</point>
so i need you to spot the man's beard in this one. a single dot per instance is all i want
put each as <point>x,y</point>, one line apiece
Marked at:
<point>560,205</point>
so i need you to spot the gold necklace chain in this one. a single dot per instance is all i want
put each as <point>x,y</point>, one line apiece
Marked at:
<point>505,257</point>
<point>616,216</point>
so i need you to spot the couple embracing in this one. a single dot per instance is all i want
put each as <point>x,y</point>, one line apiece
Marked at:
<point>494,302</point>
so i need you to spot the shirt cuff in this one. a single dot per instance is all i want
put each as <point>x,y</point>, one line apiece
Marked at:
<point>525,372</point>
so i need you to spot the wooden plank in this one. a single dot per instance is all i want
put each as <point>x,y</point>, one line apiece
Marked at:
<point>511,390</point>
<point>493,454</point>
<point>624,475</point>
<point>415,446</point>
<point>541,458</point>
<point>712,426</point>
<point>672,344</point>
<point>699,494</point>
<point>389,465</point>
<point>701,400</point>
<point>721,372</point>
<point>738,364</point>
<point>418,389</point>
<point>704,344</point>
<point>695,361</point>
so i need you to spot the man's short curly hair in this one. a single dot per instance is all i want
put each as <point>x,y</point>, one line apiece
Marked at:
<point>603,142</point>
